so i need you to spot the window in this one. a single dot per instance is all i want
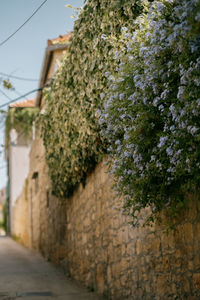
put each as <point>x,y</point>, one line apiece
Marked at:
<point>47,196</point>
<point>36,181</point>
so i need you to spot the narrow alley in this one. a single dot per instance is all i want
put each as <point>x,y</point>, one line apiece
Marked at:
<point>27,276</point>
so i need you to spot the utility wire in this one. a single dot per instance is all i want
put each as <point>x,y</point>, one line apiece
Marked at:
<point>23,96</point>
<point>10,36</point>
<point>18,94</point>
<point>14,91</point>
<point>18,77</point>
<point>2,92</point>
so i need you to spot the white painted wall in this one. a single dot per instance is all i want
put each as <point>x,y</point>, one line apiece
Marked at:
<point>19,167</point>
<point>18,170</point>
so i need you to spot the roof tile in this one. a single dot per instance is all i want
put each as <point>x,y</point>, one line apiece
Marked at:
<point>62,39</point>
<point>23,104</point>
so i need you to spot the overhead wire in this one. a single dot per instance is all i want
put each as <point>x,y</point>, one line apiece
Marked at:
<point>18,77</point>
<point>19,94</point>
<point>5,95</point>
<point>10,36</point>
<point>23,96</point>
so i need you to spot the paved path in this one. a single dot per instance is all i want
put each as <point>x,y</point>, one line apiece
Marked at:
<point>25,275</point>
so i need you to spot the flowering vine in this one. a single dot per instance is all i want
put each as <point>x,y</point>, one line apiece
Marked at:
<point>151,114</point>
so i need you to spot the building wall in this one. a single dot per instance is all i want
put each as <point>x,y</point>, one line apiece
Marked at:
<point>107,254</point>
<point>18,171</point>
<point>95,244</point>
<point>56,58</point>
<point>21,220</point>
<point>19,167</point>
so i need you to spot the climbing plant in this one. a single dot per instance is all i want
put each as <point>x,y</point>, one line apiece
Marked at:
<point>3,222</point>
<point>20,119</point>
<point>70,127</point>
<point>151,115</point>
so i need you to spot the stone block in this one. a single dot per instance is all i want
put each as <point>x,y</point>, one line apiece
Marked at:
<point>117,285</point>
<point>196,259</point>
<point>162,286</point>
<point>117,239</point>
<point>155,244</point>
<point>117,253</point>
<point>130,249</point>
<point>123,249</point>
<point>125,264</point>
<point>166,262</point>
<point>133,233</point>
<point>196,232</point>
<point>109,275</point>
<point>110,253</point>
<point>171,240</point>
<point>192,212</point>
<point>139,247</point>
<point>188,232</point>
<point>123,281</point>
<point>186,285</point>
<point>196,281</point>
<point>116,270</point>
<point>147,245</point>
<point>124,235</point>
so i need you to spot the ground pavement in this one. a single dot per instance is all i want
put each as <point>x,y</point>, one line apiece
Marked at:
<point>25,275</point>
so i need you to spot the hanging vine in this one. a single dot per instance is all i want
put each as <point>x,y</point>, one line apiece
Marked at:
<point>70,127</point>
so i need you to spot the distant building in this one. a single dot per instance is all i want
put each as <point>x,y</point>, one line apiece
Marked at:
<point>27,168</point>
<point>17,156</point>
<point>39,181</point>
<point>3,194</point>
<point>54,53</point>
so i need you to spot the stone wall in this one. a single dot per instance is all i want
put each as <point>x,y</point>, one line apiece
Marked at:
<point>107,254</point>
<point>21,219</point>
<point>95,244</point>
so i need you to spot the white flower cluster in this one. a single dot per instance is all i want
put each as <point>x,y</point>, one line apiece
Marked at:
<point>151,115</point>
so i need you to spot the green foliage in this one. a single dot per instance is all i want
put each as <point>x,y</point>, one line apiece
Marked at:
<point>76,10</point>
<point>151,113</point>
<point>7,84</point>
<point>3,224</point>
<point>69,126</point>
<point>20,119</point>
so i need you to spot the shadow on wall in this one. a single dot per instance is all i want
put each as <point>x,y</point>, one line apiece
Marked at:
<point>3,219</point>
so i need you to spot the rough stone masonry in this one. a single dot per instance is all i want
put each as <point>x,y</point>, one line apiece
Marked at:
<point>96,245</point>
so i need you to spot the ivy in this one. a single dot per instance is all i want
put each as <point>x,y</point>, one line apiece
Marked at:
<point>151,115</point>
<point>70,128</point>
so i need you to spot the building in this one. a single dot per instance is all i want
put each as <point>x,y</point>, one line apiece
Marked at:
<point>94,241</point>
<point>25,196</point>
<point>18,144</point>
<point>39,182</point>
<point>54,52</point>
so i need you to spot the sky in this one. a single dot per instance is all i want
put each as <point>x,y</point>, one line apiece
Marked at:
<point>23,54</point>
